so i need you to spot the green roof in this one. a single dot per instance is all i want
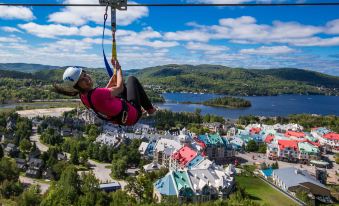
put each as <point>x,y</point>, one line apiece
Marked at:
<point>245,138</point>
<point>307,147</point>
<point>182,183</point>
<point>215,139</point>
<point>311,138</point>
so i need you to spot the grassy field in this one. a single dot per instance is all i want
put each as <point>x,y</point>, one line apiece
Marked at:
<point>262,192</point>
<point>40,105</point>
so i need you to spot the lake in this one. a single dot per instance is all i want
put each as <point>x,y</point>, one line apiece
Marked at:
<point>282,105</point>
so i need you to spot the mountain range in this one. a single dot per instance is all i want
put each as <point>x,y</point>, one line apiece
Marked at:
<point>203,78</point>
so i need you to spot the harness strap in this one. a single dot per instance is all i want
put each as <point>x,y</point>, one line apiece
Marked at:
<point>121,118</point>
<point>108,68</point>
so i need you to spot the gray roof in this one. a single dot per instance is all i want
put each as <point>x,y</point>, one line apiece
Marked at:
<point>291,178</point>
<point>201,177</point>
<point>108,185</point>
<point>169,151</point>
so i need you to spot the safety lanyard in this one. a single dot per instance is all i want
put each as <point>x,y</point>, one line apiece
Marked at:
<point>114,46</point>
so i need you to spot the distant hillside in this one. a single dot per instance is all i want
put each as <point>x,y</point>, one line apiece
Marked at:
<point>205,78</point>
<point>22,67</point>
<point>239,81</point>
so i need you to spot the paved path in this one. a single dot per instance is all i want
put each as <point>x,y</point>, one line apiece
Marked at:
<point>36,138</point>
<point>103,174</point>
<point>27,180</point>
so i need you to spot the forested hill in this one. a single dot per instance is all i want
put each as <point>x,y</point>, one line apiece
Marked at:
<point>22,67</point>
<point>205,78</point>
<point>239,81</point>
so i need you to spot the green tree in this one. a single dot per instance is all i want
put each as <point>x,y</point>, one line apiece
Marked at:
<point>11,188</point>
<point>8,170</point>
<point>66,191</point>
<point>1,152</point>
<point>119,167</point>
<point>74,156</point>
<point>262,148</point>
<point>121,198</point>
<point>251,146</point>
<point>275,165</point>
<point>89,189</point>
<point>23,130</point>
<point>25,145</point>
<point>30,197</point>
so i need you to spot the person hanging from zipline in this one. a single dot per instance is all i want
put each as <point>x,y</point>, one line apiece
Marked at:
<point>118,103</point>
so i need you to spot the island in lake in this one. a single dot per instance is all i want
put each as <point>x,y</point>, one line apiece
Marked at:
<point>229,102</point>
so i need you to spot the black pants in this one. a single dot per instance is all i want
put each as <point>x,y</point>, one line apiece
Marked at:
<point>135,93</point>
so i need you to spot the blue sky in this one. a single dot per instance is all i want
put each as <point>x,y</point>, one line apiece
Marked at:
<point>250,37</point>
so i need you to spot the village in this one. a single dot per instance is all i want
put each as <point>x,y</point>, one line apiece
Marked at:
<point>199,167</point>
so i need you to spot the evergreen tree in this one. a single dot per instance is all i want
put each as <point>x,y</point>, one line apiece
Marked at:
<point>74,156</point>
<point>252,146</point>
<point>25,145</point>
<point>30,197</point>
<point>119,167</point>
<point>1,152</point>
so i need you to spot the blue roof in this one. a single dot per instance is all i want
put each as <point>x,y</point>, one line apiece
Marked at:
<point>204,138</point>
<point>257,138</point>
<point>150,148</point>
<point>267,172</point>
<point>165,185</point>
<point>195,161</point>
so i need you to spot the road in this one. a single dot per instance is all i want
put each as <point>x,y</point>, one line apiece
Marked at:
<point>261,158</point>
<point>36,138</point>
<point>99,169</point>
<point>103,174</point>
<point>29,181</point>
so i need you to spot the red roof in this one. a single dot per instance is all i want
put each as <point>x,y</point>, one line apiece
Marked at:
<point>331,136</point>
<point>199,142</point>
<point>288,143</point>
<point>294,134</point>
<point>255,130</point>
<point>184,155</point>
<point>269,138</point>
<point>317,144</point>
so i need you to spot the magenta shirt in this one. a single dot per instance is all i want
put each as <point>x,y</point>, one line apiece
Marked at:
<point>110,106</point>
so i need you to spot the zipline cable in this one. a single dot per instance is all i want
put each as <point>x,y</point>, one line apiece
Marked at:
<point>183,5</point>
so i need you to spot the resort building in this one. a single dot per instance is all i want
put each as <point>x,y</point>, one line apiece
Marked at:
<point>292,180</point>
<point>216,148</point>
<point>163,150</point>
<point>288,150</point>
<point>307,152</point>
<point>196,185</point>
<point>182,157</point>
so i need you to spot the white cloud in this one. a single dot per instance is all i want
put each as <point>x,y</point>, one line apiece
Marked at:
<point>188,35</point>
<point>312,41</point>
<point>82,15</point>
<point>246,30</point>
<point>11,39</point>
<point>67,45</point>
<point>10,29</point>
<point>332,27</point>
<point>205,47</point>
<point>147,37</point>
<point>54,30</point>
<point>16,12</point>
<point>265,50</point>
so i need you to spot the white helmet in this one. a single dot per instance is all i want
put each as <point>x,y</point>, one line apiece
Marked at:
<point>71,76</point>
